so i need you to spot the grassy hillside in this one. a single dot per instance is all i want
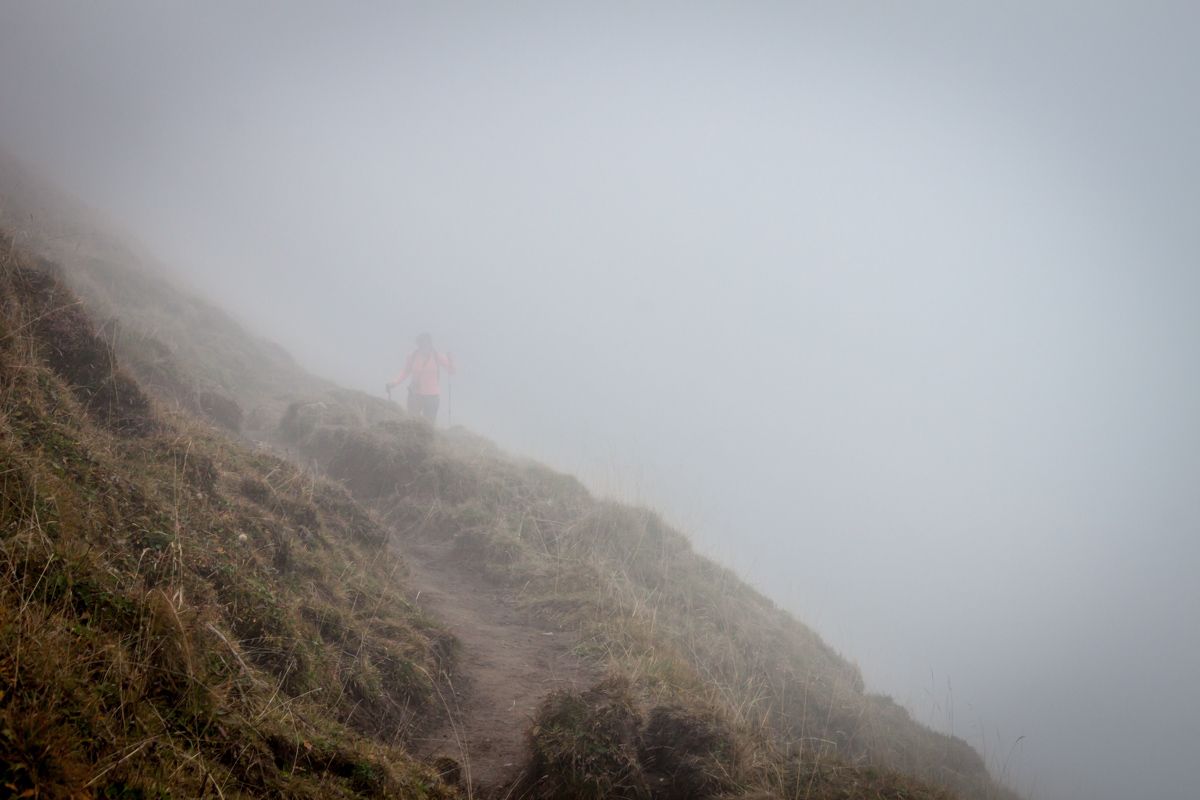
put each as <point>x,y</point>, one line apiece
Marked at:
<point>181,616</point>
<point>710,691</point>
<point>680,630</point>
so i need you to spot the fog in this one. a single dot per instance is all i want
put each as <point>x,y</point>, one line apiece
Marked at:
<point>893,307</point>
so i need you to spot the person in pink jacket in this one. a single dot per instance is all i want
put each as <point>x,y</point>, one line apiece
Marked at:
<point>424,368</point>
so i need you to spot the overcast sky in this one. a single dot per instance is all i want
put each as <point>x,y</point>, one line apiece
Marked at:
<point>892,305</point>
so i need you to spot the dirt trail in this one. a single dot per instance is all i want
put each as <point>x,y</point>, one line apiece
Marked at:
<point>507,664</point>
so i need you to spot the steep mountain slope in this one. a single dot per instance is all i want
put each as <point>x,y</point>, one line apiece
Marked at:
<point>710,689</point>
<point>683,631</point>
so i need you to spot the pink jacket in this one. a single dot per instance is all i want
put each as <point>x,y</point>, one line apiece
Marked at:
<point>424,368</point>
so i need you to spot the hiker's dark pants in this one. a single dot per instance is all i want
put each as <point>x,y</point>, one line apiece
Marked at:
<point>424,405</point>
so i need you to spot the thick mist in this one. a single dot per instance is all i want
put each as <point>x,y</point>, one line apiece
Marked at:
<point>893,307</point>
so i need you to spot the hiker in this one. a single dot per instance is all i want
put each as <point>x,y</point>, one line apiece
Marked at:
<point>424,367</point>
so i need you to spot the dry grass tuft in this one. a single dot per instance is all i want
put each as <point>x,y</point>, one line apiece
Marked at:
<point>585,746</point>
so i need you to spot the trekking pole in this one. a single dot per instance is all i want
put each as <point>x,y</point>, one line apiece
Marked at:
<point>449,401</point>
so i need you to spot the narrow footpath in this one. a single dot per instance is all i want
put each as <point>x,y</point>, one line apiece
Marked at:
<point>507,664</point>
